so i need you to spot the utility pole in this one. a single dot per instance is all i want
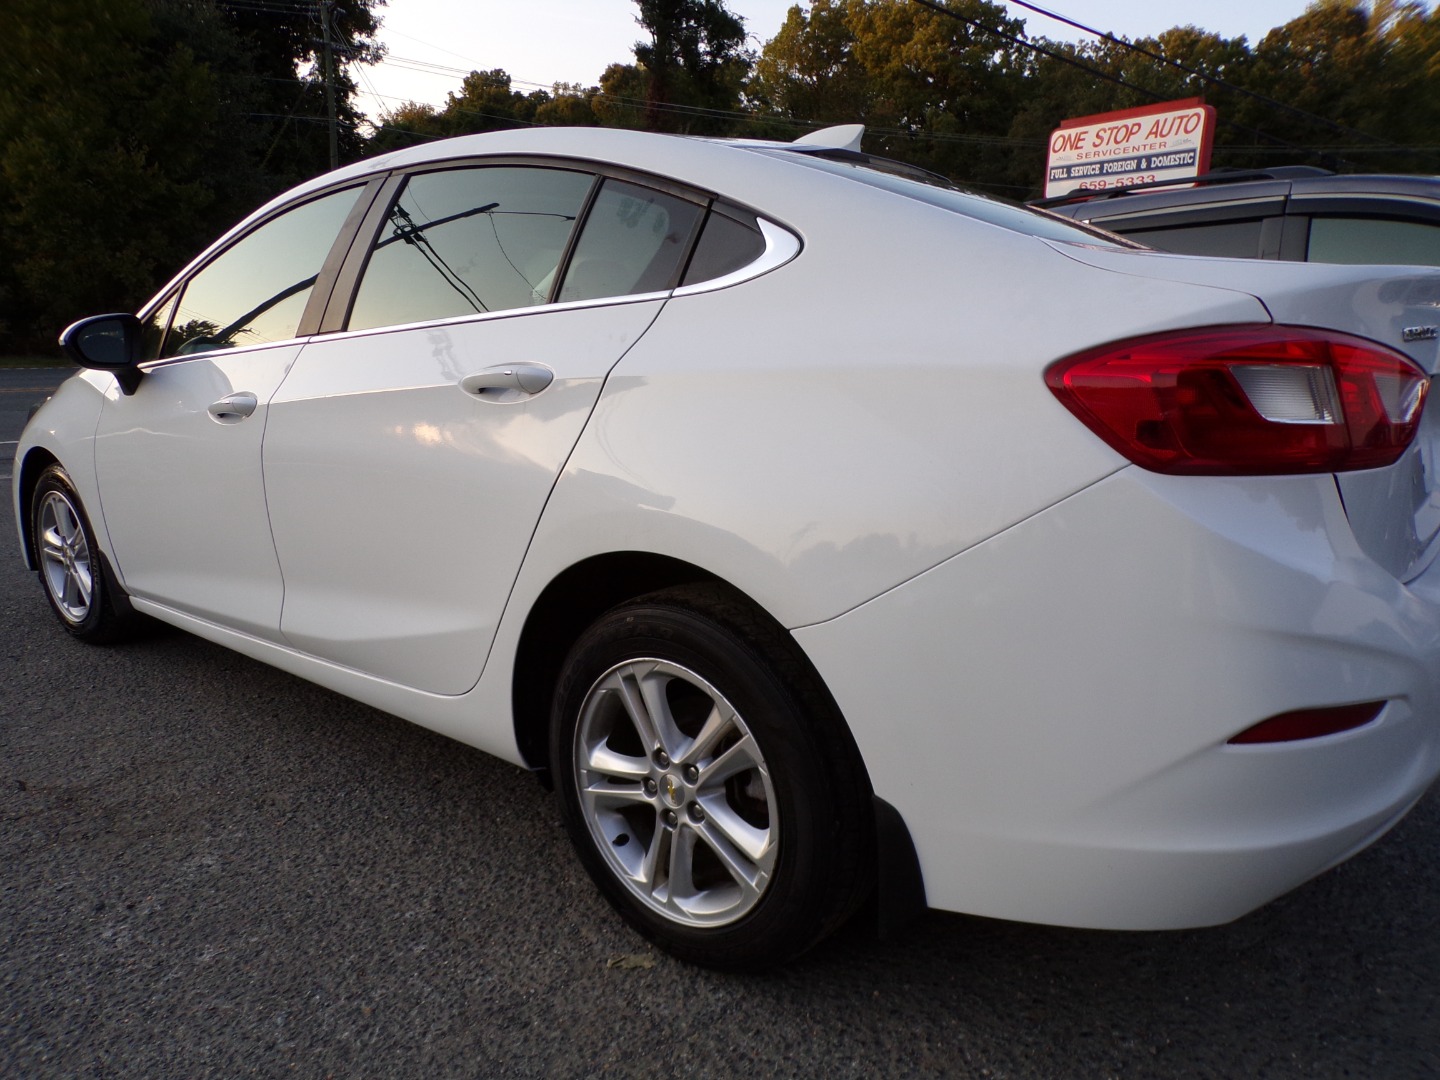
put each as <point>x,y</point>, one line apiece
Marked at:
<point>325,8</point>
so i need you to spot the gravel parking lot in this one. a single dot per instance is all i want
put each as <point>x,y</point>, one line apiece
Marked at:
<point>210,868</point>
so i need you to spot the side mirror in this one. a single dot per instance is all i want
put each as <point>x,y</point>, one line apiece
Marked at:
<point>107,343</point>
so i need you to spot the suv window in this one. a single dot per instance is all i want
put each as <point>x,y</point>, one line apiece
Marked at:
<point>256,290</point>
<point>634,241</point>
<point>1373,240</point>
<point>469,241</point>
<point>1229,239</point>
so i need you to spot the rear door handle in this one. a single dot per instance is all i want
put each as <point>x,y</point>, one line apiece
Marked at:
<point>234,408</point>
<point>508,382</point>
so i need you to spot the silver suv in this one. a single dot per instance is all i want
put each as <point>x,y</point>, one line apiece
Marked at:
<point>1297,213</point>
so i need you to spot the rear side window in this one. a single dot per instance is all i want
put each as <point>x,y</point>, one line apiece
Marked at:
<point>634,241</point>
<point>469,241</point>
<point>1373,240</point>
<point>256,290</point>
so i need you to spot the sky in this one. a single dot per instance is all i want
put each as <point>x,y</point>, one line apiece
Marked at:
<point>433,44</point>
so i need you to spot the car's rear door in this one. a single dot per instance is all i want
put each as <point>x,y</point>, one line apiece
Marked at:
<point>408,456</point>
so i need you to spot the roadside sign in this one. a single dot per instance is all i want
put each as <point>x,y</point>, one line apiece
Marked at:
<point>1167,141</point>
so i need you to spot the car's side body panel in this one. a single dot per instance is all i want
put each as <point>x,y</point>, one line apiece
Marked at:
<point>814,470</point>
<point>403,504</point>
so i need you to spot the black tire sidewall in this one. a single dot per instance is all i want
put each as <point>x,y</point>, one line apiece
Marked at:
<point>790,915</point>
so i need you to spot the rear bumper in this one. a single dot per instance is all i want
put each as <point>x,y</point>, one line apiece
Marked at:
<point>1049,711</point>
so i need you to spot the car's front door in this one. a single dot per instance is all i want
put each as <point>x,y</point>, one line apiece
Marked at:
<point>408,459</point>
<point>178,461</point>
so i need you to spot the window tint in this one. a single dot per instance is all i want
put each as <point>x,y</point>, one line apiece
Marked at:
<point>634,241</point>
<point>1227,239</point>
<point>1374,240</point>
<point>725,246</point>
<point>256,290</point>
<point>468,241</point>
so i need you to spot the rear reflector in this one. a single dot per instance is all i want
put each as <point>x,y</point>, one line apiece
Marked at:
<point>1309,724</point>
<point>1246,400</point>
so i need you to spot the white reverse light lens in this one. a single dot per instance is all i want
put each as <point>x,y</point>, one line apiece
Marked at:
<point>1290,393</point>
<point>1402,395</point>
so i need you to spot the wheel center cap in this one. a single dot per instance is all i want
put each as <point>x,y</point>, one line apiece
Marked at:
<point>672,790</point>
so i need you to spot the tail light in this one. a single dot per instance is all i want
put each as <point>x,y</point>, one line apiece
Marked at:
<point>1246,400</point>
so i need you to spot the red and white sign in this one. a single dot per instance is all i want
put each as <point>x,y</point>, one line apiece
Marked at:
<point>1168,141</point>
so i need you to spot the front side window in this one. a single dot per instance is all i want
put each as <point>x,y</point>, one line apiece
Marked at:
<point>256,290</point>
<point>467,242</point>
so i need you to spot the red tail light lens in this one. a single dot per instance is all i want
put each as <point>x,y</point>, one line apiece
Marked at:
<point>1246,400</point>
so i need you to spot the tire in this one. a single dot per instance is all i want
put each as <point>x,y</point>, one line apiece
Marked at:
<point>73,571</point>
<point>707,781</point>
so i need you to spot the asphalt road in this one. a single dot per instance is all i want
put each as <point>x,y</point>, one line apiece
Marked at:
<point>212,869</point>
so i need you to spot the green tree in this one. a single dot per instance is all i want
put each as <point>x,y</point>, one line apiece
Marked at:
<point>131,132</point>
<point>623,98</point>
<point>107,133</point>
<point>808,70</point>
<point>1367,77</point>
<point>571,105</point>
<point>281,61</point>
<point>486,101</point>
<point>407,125</point>
<point>934,90</point>
<point>693,65</point>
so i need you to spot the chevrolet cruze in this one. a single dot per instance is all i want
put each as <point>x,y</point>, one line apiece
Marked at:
<point>825,534</point>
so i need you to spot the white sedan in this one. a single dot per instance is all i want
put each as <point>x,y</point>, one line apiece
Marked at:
<point>823,533</point>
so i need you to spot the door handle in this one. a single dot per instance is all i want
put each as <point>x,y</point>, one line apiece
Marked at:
<point>508,382</point>
<point>234,408</point>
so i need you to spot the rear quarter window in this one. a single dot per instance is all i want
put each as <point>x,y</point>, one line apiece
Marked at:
<point>728,243</point>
